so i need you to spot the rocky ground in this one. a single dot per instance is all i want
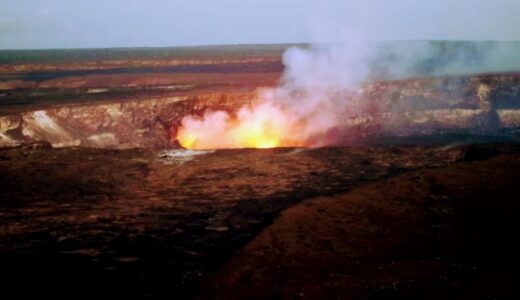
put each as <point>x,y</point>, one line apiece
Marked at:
<point>127,100</point>
<point>153,224</point>
<point>445,233</point>
<point>97,200</point>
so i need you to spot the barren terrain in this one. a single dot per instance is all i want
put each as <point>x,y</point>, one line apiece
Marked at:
<point>424,235</point>
<point>98,200</point>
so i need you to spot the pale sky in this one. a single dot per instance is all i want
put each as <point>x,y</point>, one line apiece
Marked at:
<point>153,23</point>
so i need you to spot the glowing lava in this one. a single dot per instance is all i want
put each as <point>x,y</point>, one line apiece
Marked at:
<point>262,126</point>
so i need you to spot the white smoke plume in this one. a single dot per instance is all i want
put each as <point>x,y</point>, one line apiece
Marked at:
<point>319,90</point>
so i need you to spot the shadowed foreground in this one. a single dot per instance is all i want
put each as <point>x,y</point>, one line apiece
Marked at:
<point>446,233</point>
<point>88,223</point>
<point>152,224</point>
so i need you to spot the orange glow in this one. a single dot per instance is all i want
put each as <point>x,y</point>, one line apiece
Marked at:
<point>187,140</point>
<point>262,126</point>
<point>257,135</point>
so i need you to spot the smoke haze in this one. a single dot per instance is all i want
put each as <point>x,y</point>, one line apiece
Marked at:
<point>319,87</point>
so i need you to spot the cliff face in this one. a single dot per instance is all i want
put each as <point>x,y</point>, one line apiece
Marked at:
<point>463,92</point>
<point>134,124</point>
<point>479,103</point>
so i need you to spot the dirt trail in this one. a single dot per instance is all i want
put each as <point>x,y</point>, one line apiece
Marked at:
<point>446,233</point>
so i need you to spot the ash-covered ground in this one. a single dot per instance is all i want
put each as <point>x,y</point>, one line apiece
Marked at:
<point>97,200</point>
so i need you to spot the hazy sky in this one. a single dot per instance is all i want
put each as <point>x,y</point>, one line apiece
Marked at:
<point>122,23</point>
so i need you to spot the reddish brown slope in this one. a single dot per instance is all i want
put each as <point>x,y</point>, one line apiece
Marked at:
<point>435,234</point>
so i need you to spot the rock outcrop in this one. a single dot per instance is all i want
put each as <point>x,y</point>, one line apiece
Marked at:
<point>484,103</point>
<point>134,124</point>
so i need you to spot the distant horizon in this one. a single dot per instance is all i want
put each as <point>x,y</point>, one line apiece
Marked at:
<point>100,24</point>
<point>257,44</point>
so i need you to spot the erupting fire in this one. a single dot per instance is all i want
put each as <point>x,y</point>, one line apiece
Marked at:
<point>262,126</point>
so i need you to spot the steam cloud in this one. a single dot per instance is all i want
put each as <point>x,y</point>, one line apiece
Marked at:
<point>317,93</point>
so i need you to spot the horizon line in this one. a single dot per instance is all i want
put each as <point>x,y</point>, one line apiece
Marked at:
<point>249,44</point>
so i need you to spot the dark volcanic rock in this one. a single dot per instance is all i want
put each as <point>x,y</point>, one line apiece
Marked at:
<point>133,223</point>
<point>446,233</point>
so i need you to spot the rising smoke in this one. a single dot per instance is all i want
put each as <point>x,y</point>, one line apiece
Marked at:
<point>319,90</point>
